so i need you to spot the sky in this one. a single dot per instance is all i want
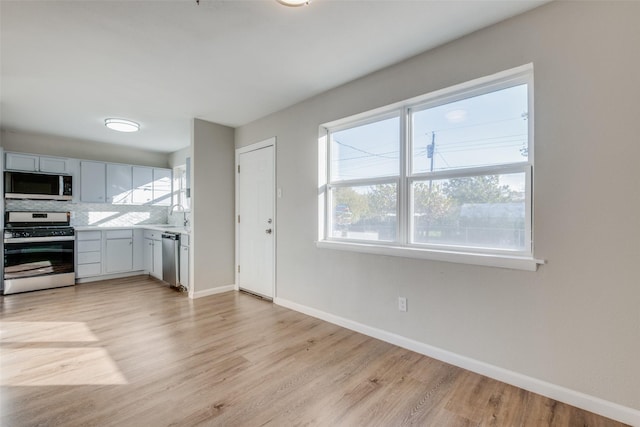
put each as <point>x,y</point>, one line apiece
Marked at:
<point>484,130</point>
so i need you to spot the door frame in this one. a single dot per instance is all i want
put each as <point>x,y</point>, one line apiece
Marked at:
<point>270,142</point>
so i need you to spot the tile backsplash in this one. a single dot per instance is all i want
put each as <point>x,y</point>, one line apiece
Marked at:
<point>97,214</point>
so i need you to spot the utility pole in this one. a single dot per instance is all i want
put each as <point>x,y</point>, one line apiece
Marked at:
<point>431,149</point>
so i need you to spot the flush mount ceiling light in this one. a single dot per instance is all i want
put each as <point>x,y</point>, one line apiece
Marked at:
<point>294,3</point>
<point>122,125</point>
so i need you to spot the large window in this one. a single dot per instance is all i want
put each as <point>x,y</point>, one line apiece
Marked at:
<point>447,172</point>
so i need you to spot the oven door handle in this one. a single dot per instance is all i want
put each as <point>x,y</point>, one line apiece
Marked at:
<point>39,239</point>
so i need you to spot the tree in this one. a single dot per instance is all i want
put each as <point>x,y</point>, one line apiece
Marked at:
<point>430,203</point>
<point>356,203</point>
<point>477,189</point>
<point>383,199</point>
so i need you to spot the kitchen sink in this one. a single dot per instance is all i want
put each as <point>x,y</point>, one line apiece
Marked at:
<point>175,227</point>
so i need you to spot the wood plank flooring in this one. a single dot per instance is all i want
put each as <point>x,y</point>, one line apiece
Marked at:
<point>132,352</point>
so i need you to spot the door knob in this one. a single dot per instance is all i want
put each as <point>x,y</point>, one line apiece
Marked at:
<point>268,231</point>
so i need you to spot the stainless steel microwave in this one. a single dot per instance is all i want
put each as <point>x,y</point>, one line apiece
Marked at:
<point>39,186</point>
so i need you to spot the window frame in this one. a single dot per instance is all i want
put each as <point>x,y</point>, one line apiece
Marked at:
<point>359,182</point>
<point>404,245</point>
<point>179,197</point>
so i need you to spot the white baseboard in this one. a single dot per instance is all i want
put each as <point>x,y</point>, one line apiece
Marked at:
<point>212,291</point>
<point>575,398</point>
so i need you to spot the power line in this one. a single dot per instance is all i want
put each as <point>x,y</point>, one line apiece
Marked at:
<point>361,150</point>
<point>369,155</point>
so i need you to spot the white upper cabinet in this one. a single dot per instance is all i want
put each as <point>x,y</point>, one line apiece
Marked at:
<point>162,187</point>
<point>92,182</point>
<point>54,165</point>
<point>124,184</point>
<point>142,185</point>
<point>100,182</point>
<point>22,162</point>
<point>119,184</point>
<point>33,163</point>
<point>151,186</point>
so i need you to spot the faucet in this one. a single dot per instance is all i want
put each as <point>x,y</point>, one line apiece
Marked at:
<point>176,205</point>
<point>178,208</point>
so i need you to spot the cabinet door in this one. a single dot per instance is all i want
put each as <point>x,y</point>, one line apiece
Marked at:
<point>142,185</point>
<point>162,187</point>
<point>184,266</point>
<point>22,162</point>
<point>119,255</point>
<point>119,184</point>
<point>54,165</point>
<point>92,182</point>
<point>138,249</point>
<point>148,255</point>
<point>157,259</point>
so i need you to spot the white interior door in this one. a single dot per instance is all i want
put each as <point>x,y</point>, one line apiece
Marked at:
<point>256,224</point>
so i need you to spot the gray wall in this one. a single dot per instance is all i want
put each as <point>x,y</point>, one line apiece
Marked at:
<point>179,157</point>
<point>212,206</point>
<point>576,321</point>
<point>68,147</point>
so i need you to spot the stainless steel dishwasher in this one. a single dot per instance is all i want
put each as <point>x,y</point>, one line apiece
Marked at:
<point>171,258</point>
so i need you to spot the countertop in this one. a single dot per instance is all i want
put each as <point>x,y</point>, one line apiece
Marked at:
<point>157,227</point>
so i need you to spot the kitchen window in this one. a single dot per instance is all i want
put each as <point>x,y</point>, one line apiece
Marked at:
<point>180,195</point>
<point>445,176</point>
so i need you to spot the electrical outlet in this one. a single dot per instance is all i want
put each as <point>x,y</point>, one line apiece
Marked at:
<point>402,304</point>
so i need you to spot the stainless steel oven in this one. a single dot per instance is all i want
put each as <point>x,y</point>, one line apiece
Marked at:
<point>39,251</point>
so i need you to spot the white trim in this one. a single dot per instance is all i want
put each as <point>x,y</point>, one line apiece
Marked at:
<point>572,397</point>
<point>213,291</point>
<point>270,142</point>
<point>403,244</point>
<point>514,262</point>
<point>256,146</point>
<point>500,79</point>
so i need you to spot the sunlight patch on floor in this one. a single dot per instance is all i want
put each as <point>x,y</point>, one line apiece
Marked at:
<point>58,366</point>
<point>23,332</point>
<point>53,354</point>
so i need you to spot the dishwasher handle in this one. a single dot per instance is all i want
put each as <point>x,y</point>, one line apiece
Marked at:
<point>172,236</point>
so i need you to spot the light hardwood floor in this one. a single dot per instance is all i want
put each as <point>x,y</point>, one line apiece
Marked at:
<point>132,352</point>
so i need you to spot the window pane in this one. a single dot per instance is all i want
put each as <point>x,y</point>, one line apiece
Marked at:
<point>484,130</point>
<point>478,211</point>
<point>367,151</point>
<point>365,212</point>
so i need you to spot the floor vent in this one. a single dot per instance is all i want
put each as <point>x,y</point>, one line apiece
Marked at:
<point>244,291</point>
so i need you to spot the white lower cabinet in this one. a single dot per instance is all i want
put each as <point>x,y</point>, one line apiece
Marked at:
<point>89,253</point>
<point>153,253</point>
<point>101,253</point>
<point>184,260</point>
<point>119,251</point>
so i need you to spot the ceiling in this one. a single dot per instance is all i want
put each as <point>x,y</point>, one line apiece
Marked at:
<point>68,65</point>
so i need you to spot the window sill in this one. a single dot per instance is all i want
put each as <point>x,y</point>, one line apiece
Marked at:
<point>488,260</point>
